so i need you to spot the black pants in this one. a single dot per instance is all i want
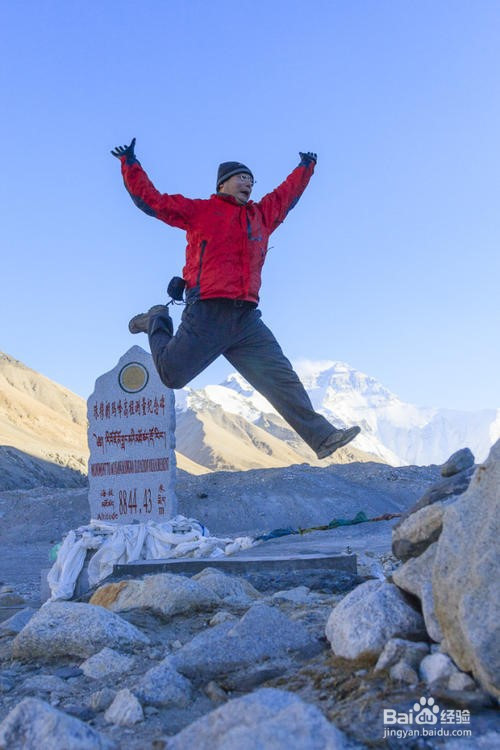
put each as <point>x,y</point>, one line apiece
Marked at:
<point>213,327</point>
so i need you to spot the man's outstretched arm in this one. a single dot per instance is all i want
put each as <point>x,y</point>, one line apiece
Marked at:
<point>276,205</point>
<point>175,210</point>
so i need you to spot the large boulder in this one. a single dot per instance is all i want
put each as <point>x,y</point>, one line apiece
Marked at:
<point>74,629</point>
<point>267,718</point>
<point>465,577</point>
<point>264,635</point>
<point>446,489</point>
<point>34,725</point>
<point>164,594</point>
<point>412,536</point>
<point>227,587</point>
<point>415,577</point>
<point>362,623</point>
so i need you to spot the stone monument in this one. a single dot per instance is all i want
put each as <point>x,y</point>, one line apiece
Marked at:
<point>131,439</point>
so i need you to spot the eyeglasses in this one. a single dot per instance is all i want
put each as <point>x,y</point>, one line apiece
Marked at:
<point>246,178</point>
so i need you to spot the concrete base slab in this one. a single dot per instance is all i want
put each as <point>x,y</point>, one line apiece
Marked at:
<point>335,572</point>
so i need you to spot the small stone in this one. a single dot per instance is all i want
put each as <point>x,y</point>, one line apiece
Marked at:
<point>81,712</point>
<point>436,667</point>
<point>403,672</point>
<point>175,645</point>
<point>215,692</point>
<point>107,662</point>
<point>462,459</point>
<point>6,684</point>
<point>16,623</point>
<point>397,649</point>
<point>461,681</point>
<point>10,599</point>
<point>67,673</point>
<point>297,595</point>
<point>222,616</point>
<point>162,685</point>
<point>102,699</point>
<point>125,710</point>
<point>45,683</point>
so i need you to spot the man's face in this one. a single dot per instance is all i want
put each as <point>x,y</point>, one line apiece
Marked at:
<point>239,186</point>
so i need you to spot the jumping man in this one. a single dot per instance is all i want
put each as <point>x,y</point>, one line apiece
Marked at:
<point>227,237</point>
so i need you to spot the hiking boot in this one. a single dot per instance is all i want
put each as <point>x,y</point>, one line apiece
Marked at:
<point>337,439</point>
<point>140,323</point>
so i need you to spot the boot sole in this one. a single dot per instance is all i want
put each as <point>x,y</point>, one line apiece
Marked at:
<point>349,435</point>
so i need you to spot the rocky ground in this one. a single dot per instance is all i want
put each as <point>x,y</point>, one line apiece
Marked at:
<point>211,662</point>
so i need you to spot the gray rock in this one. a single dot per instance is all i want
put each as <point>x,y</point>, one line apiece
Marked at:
<point>107,662</point>
<point>461,681</point>
<point>67,673</point>
<point>465,585</point>
<point>215,692</point>
<point>488,741</point>
<point>164,686</point>
<point>10,599</point>
<point>417,532</point>
<point>102,699</point>
<point>125,710</point>
<point>397,649</point>
<point>6,683</point>
<point>415,577</point>
<point>268,718</point>
<point>45,683</point>
<point>16,623</point>
<point>436,668</point>
<point>262,633</point>
<point>222,616</point>
<point>164,594</point>
<point>449,487</point>
<point>444,490</point>
<point>362,623</point>
<point>462,459</point>
<point>74,629</point>
<point>34,725</point>
<point>403,672</point>
<point>227,586</point>
<point>297,595</point>
<point>84,713</point>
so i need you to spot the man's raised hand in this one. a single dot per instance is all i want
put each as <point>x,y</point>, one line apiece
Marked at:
<point>127,151</point>
<point>308,157</point>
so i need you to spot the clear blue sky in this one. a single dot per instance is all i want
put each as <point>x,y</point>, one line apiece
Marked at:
<point>390,261</point>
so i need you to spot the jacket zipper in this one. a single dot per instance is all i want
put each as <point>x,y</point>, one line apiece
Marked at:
<point>202,252</point>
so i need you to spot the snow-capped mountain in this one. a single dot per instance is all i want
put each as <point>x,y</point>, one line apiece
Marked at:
<point>392,430</point>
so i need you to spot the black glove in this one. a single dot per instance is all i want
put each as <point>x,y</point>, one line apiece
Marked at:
<point>308,158</point>
<point>126,151</point>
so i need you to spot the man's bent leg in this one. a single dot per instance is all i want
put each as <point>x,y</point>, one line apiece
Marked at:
<point>259,358</point>
<point>181,357</point>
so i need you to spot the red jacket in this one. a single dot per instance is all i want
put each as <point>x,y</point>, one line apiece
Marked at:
<point>226,241</point>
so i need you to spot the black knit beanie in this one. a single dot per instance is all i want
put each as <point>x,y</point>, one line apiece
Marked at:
<point>229,168</point>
